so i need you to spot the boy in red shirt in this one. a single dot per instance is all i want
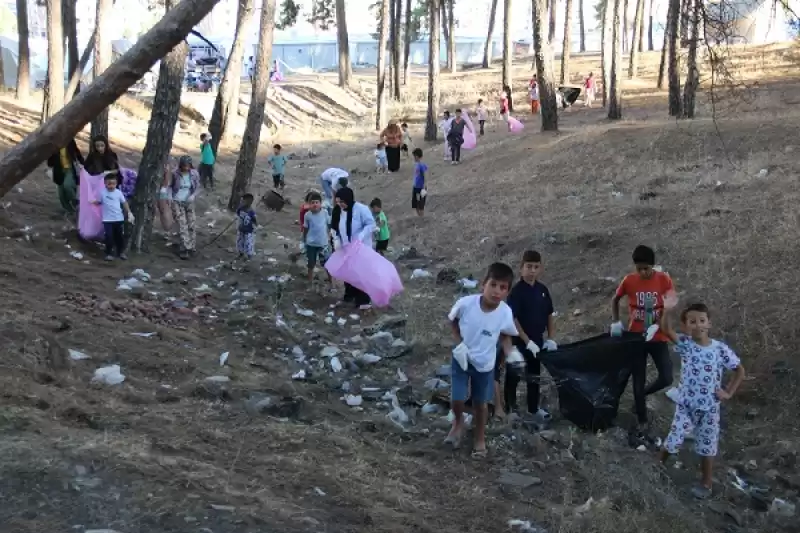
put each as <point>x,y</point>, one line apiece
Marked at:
<point>590,88</point>
<point>645,290</point>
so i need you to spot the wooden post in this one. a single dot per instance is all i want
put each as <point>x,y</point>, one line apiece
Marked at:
<point>115,81</point>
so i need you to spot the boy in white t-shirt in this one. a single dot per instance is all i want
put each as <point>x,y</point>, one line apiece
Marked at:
<point>112,202</point>
<point>479,322</point>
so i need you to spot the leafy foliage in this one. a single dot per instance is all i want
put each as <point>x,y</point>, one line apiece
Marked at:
<point>288,15</point>
<point>323,14</point>
<point>419,19</point>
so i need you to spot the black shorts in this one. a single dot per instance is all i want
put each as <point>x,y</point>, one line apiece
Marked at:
<point>381,246</point>
<point>417,200</point>
<point>277,180</point>
<point>404,148</point>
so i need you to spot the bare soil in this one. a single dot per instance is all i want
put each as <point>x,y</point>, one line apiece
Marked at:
<point>170,451</point>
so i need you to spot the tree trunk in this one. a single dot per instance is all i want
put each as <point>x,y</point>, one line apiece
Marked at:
<point>383,37</point>
<point>650,46</point>
<point>582,24</point>
<point>624,26</point>
<point>432,115</point>
<point>662,67</point>
<point>683,23</point>
<point>544,67</point>
<point>567,43</point>
<point>488,49</point>
<point>343,43</point>
<point>551,30</point>
<point>54,100</point>
<point>672,54</point>
<point>451,44</point>
<point>605,47</point>
<point>24,59</point>
<point>71,30</point>
<point>23,158</point>
<point>246,162</point>
<point>407,39</point>
<point>614,90</point>
<point>640,41</point>
<point>397,48</point>
<point>508,51</point>
<point>391,44</point>
<point>636,46</point>
<point>226,103</point>
<point>445,27</point>
<point>75,79</point>
<point>692,74</point>
<point>102,58</point>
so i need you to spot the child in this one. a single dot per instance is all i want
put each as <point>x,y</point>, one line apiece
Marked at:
<point>381,163</point>
<point>533,93</point>
<point>245,237</point>
<point>532,306</point>
<point>278,164</point>
<point>207,161</point>
<point>455,137</point>
<point>479,322</point>
<point>315,232</point>
<point>590,87</point>
<point>113,202</point>
<point>504,108</point>
<point>382,226</point>
<point>419,193</point>
<point>406,139</point>
<point>482,114</point>
<point>444,126</point>
<point>645,290</point>
<point>700,391</point>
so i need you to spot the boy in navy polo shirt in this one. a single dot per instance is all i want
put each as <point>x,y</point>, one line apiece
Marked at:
<point>533,315</point>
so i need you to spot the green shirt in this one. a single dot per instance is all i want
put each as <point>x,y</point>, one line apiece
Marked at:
<point>383,225</point>
<point>206,154</point>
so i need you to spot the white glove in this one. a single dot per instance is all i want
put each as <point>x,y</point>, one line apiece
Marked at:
<point>131,218</point>
<point>651,332</point>
<point>550,345</point>
<point>337,244</point>
<point>515,359</point>
<point>302,247</point>
<point>616,329</point>
<point>363,235</point>
<point>376,230</point>
<point>460,354</point>
<point>423,193</point>
<point>532,347</point>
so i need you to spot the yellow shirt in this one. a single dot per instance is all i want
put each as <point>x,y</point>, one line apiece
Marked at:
<point>65,162</point>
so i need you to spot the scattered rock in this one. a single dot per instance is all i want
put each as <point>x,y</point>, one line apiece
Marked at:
<point>447,275</point>
<point>522,481</point>
<point>781,507</point>
<point>108,375</point>
<point>218,379</point>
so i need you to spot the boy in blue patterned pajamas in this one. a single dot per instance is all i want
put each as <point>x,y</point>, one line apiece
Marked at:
<point>245,237</point>
<point>703,361</point>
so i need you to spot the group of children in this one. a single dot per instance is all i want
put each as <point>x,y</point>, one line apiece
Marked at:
<point>502,329</point>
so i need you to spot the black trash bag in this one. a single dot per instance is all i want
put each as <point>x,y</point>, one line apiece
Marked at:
<point>569,95</point>
<point>591,376</point>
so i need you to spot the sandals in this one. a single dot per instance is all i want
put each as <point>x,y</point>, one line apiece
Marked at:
<point>480,454</point>
<point>454,441</point>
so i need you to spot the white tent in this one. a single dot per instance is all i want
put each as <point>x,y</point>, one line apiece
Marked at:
<point>38,65</point>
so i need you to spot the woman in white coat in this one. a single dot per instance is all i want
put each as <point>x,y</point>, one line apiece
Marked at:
<point>351,221</point>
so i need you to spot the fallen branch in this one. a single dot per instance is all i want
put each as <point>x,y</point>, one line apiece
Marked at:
<point>104,91</point>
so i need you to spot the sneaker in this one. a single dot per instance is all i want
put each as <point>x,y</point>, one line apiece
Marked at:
<point>541,414</point>
<point>673,394</point>
<point>109,258</point>
<point>124,257</point>
<point>365,307</point>
<point>701,493</point>
<point>452,162</point>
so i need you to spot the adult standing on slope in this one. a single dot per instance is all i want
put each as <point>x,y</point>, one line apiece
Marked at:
<point>393,137</point>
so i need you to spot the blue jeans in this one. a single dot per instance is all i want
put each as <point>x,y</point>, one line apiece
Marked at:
<point>480,383</point>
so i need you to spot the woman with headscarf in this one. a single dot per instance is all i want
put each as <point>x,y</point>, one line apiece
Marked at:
<point>101,158</point>
<point>392,136</point>
<point>352,221</point>
<point>507,90</point>
<point>184,183</point>
<point>64,166</point>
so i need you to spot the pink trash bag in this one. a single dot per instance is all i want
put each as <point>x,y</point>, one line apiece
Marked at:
<point>470,140</point>
<point>365,269</point>
<point>514,125</point>
<point>90,216</point>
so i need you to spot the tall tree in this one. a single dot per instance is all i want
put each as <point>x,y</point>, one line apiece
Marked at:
<point>672,58</point>
<point>445,19</point>
<point>614,90</point>
<point>508,52</point>
<point>636,47</point>
<point>102,58</point>
<point>24,55</point>
<point>451,43</point>
<point>607,12</point>
<point>383,37</point>
<point>54,99</point>
<point>662,66</point>
<point>567,43</point>
<point>488,49</point>
<point>343,44</point>
<point>551,30</point>
<point>397,46</point>
<point>650,46</point>
<point>640,41</point>
<point>434,26</point>
<point>246,162</point>
<point>407,42</point>
<point>582,24</point>
<point>160,131</point>
<point>226,103</point>
<point>544,67</point>
<point>692,73</point>
<point>624,26</point>
<point>70,18</point>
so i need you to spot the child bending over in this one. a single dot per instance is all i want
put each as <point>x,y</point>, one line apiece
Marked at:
<point>700,391</point>
<point>246,236</point>
<point>479,322</point>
